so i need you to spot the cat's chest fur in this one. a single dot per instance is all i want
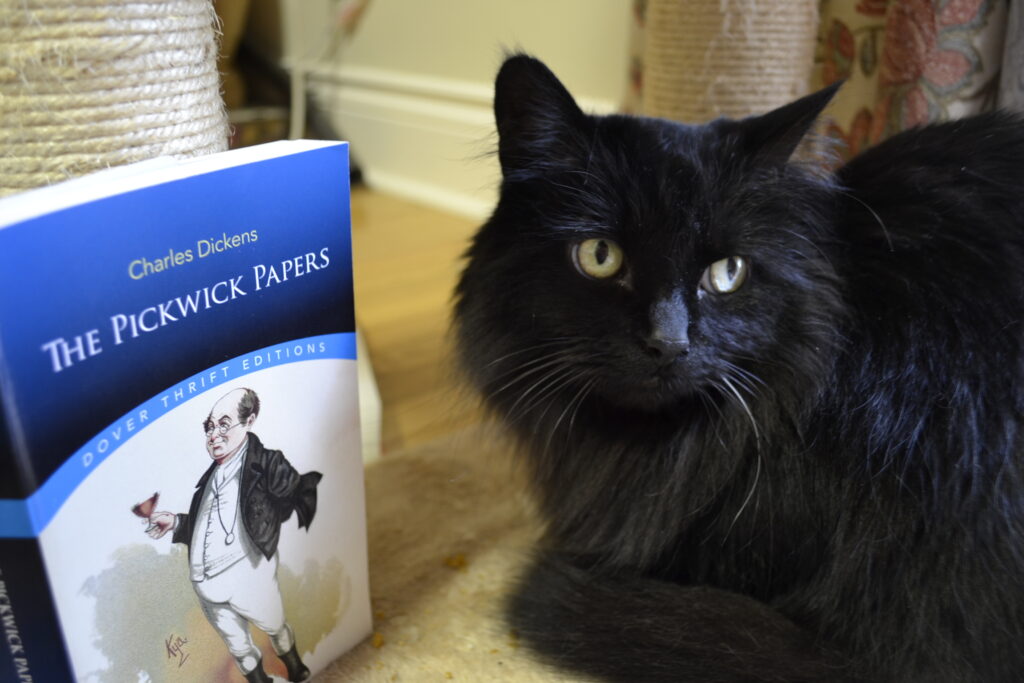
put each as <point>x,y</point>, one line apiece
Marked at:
<point>687,510</point>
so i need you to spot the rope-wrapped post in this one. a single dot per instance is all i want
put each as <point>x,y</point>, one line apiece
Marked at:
<point>709,58</point>
<point>91,84</point>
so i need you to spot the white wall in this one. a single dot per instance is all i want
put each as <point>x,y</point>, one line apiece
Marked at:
<point>411,88</point>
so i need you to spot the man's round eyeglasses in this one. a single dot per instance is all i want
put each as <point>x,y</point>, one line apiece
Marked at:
<point>221,429</point>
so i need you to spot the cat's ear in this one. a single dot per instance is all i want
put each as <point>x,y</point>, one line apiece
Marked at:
<point>535,114</point>
<point>773,137</point>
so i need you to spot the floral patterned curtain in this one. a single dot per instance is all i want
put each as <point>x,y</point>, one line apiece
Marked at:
<point>1011,81</point>
<point>908,62</point>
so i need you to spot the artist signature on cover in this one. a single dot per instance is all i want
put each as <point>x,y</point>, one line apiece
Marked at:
<point>176,649</point>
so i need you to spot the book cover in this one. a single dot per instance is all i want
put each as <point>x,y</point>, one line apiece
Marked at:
<point>181,484</point>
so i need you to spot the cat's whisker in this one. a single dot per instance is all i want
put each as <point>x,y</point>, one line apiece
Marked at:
<point>746,408</point>
<point>742,383</point>
<point>525,370</point>
<point>535,347</point>
<point>580,193</point>
<point>710,404</point>
<point>757,449</point>
<point>594,185</point>
<point>550,394</point>
<point>810,242</point>
<point>549,385</point>
<point>578,397</point>
<point>750,495</point>
<point>567,408</point>
<point>526,377</point>
<point>579,404</point>
<point>746,373</point>
<point>553,383</point>
<point>738,376</point>
<point>878,219</point>
<point>543,381</point>
<point>557,352</point>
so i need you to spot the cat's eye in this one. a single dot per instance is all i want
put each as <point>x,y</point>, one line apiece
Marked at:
<point>598,258</point>
<point>725,276</point>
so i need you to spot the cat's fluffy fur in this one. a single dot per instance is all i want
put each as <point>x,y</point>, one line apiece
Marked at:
<point>827,486</point>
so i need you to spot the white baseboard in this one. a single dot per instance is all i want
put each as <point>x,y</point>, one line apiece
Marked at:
<point>426,138</point>
<point>420,138</point>
<point>430,193</point>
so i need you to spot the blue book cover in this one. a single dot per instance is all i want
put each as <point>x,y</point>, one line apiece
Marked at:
<point>181,492</point>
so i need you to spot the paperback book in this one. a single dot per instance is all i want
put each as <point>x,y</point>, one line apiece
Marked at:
<point>181,483</point>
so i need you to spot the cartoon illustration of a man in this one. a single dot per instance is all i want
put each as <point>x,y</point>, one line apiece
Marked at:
<point>232,530</point>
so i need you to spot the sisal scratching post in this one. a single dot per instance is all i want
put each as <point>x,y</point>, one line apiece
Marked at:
<point>709,58</point>
<point>90,84</point>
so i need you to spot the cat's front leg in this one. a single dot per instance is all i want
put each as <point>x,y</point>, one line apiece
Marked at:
<point>629,628</point>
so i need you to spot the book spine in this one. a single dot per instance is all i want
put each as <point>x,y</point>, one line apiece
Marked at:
<point>10,481</point>
<point>31,644</point>
<point>32,647</point>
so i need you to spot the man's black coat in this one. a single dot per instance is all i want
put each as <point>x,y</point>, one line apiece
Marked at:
<point>270,490</point>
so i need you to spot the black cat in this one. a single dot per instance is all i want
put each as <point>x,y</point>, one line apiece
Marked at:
<point>773,419</point>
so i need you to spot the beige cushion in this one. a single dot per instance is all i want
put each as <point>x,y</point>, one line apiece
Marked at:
<point>449,526</point>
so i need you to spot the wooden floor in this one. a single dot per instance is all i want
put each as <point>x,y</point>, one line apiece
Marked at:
<point>407,260</point>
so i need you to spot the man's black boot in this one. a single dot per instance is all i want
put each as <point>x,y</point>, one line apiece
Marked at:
<point>258,675</point>
<point>297,671</point>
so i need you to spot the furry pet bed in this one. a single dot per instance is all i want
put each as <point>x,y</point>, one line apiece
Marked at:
<point>449,527</point>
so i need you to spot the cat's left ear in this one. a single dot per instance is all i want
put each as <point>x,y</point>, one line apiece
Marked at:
<point>537,118</point>
<point>773,137</point>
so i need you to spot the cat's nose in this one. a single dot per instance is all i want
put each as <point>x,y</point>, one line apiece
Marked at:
<point>669,336</point>
<point>667,348</point>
